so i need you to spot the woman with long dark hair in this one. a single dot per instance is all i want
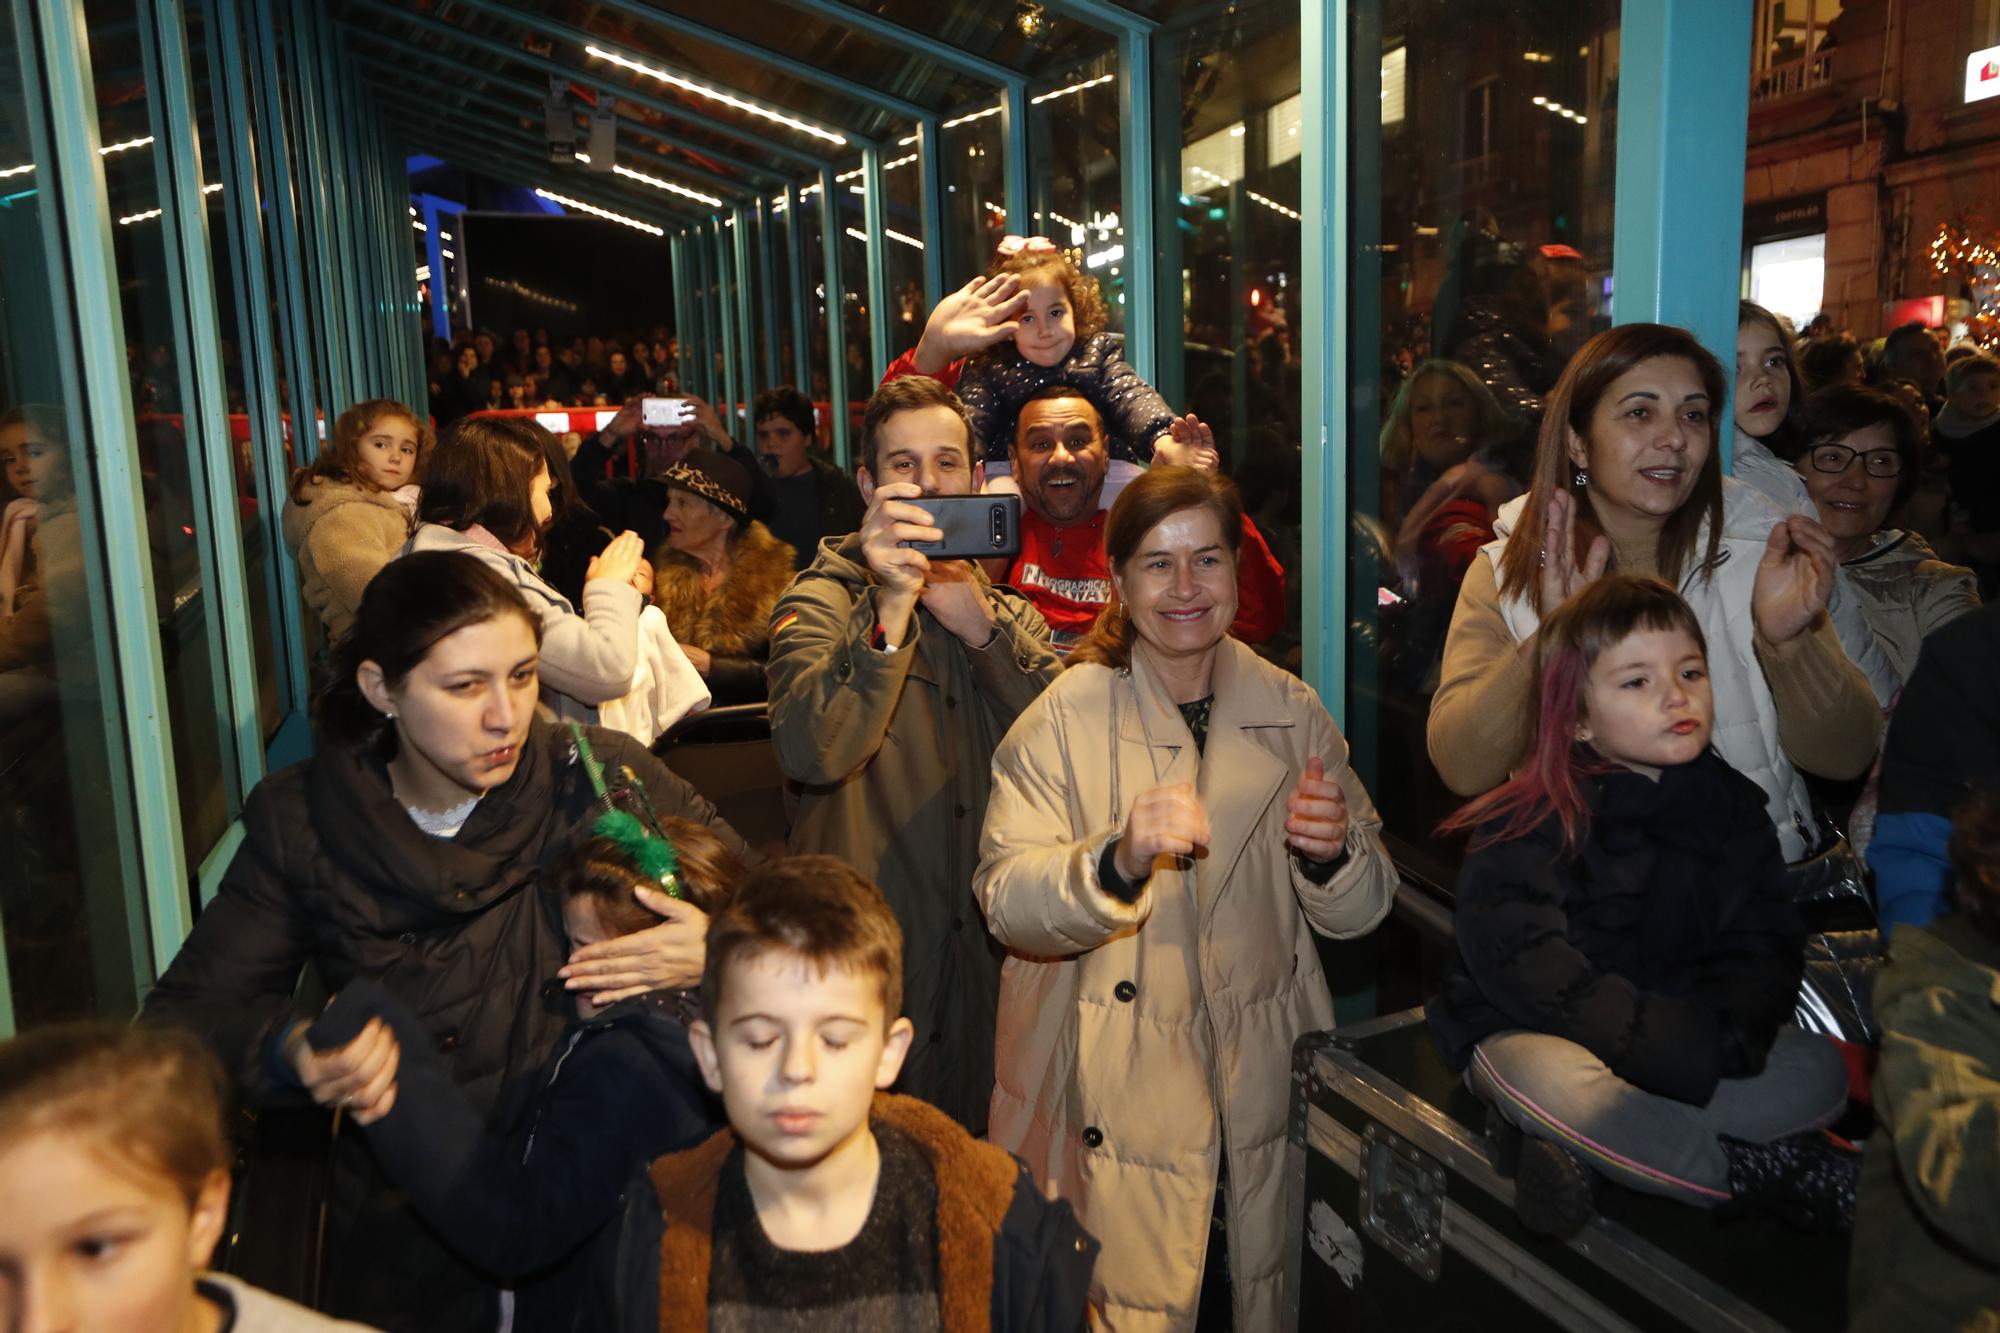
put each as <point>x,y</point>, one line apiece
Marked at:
<point>1628,478</point>
<point>409,849</point>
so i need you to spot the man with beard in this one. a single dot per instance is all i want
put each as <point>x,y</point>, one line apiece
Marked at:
<point>893,679</point>
<point>1060,460</point>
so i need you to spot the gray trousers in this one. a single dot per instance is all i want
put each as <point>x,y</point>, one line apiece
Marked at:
<point>1552,1088</point>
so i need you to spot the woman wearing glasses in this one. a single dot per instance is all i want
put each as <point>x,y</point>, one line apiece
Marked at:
<point>1860,466</point>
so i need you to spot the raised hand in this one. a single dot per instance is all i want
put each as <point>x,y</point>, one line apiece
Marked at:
<point>1316,814</point>
<point>619,561</point>
<point>1562,576</point>
<point>1169,820</point>
<point>974,317</point>
<point>1794,579</point>
<point>890,521</point>
<point>1189,442</point>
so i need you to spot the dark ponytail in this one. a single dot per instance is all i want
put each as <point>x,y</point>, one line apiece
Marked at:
<point>414,602</point>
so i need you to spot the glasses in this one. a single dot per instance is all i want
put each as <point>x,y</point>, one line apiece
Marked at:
<point>1839,458</point>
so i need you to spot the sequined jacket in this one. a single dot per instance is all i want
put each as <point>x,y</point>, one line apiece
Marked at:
<point>994,386</point>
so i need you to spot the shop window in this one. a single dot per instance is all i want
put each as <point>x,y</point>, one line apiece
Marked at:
<point>1789,276</point>
<point>1482,250</point>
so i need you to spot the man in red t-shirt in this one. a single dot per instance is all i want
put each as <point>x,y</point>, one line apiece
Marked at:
<point>1060,460</point>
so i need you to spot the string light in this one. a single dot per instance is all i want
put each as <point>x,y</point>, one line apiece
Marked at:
<point>604,213</point>
<point>716,95</point>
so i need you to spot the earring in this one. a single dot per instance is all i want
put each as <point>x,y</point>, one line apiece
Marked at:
<point>390,716</point>
<point>1582,478</point>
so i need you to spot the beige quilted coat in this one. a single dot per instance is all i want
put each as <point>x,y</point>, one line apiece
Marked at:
<point>1139,1041</point>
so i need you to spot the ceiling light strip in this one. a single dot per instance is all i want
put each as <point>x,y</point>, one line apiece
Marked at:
<point>597,212</point>
<point>715,95</point>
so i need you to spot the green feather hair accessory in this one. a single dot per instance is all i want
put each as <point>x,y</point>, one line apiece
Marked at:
<point>653,856</point>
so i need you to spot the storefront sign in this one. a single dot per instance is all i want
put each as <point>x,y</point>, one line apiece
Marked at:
<point>1779,219</point>
<point>1982,74</point>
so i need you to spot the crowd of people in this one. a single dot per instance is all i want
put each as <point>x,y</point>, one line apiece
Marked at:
<point>1004,1038</point>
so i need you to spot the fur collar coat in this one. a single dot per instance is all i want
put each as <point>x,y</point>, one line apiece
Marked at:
<point>735,619</point>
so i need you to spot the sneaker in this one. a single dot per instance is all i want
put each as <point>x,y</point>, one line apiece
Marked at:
<point>1555,1193</point>
<point>1804,1180</point>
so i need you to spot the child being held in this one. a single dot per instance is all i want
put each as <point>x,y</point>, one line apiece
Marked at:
<point>1627,949</point>
<point>350,512</point>
<point>559,1204</point>
<point>828,1204</point>
<point>1033,321</point>
<point>1927,1229</point>
<point>114,1188</point>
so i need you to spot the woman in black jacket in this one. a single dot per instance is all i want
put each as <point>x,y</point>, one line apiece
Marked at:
<point>1628,952</point>
<point>409,849</point>
<point>558,1205</point>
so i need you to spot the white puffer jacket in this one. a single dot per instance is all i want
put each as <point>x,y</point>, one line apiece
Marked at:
<point>1746,716</point>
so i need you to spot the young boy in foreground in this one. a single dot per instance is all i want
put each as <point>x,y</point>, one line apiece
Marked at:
<point>828,1204</point>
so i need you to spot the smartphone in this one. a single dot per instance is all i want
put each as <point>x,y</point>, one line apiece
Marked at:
<point>667,412</point>
<point>974,526</point>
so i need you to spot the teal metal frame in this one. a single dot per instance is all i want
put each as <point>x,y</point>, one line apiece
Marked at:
<point>874,211</point>
<point>248,241</point>
<point>836,317</point>
<point>767,299</point>
<point>1677,246</point>
<point>726,307</point>
<point>745,332</point>
<point>205,420</point>
<point>683,335</point>
<point>930,206</point>
<point>1324,256</point>
<point>801,298</point>
<point>157,897</point>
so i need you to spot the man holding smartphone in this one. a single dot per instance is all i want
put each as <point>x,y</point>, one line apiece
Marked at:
<point>894,677</point>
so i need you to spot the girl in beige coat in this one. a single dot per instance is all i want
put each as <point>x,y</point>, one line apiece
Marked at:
<point>1169,824</point>
<point>350,512</point>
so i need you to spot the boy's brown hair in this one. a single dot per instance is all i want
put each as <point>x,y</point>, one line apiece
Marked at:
<point>341,459</point>
<point>910,393</point>
<point>602,871</point>
<point>816,908</point>
<point>152,1098</point>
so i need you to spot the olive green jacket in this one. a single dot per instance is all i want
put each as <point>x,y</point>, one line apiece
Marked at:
<point>1927,1226</point>
<point>893,752</point>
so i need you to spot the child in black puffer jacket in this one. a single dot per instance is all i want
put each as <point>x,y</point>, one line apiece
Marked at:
<point>559,1207</point>
<point>1628,954</point>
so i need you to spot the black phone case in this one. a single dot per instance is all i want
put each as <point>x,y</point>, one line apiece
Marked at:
<point>974,526</point>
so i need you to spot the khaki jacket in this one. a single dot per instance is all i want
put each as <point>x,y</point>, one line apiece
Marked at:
<point>1138,1040</point>
<point>894,755</point>
<point>1927,1222</point>
<point>1906,592</point>
<point>342,539</point>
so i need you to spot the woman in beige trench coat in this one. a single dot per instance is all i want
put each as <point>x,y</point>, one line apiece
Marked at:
<point>1169,823</point>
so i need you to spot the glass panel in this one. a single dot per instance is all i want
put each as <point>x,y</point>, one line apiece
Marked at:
<point>1073,177</point>
<point>73,942</point>
<point>812,214</point>
<point>1487,133</point>
<point>173,488</point>
<point>903,217</point>
<point>849,209</point>
<point>973,163</point>
<point>261,554</point>
<point>1239,234</point>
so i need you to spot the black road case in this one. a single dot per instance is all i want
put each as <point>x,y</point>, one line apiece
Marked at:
<point>1399,1222</point>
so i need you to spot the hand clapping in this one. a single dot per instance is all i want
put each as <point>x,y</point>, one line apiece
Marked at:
<point>1316,815</point>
